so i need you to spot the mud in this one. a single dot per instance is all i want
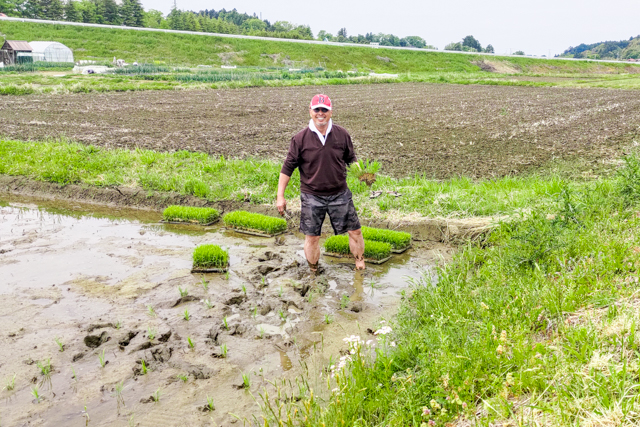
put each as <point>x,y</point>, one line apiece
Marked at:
<point>105,284</point>
<point>411,128</point>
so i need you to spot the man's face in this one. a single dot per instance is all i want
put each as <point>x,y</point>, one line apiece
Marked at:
<point>320,117</point>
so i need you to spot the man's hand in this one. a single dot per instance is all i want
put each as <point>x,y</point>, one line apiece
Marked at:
<point>281,204</point>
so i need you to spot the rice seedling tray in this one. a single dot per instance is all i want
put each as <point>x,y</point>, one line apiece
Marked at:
<point>400,250</point>
<point>210,269</point>
<point>400,241</point>
<point>190,215</point>
<point>254,232</point>
<point>189,222</point>
<point>369,260</point>
<point>210,259</point>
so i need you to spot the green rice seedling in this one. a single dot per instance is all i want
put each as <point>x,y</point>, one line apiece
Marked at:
<point>244,289</point>
<point>118,324</point>
<point>225,323</point>
<point>35,392</point>
<point>184,378</point>
<point>143,369</point>
<point>45,369</point>
<point>156,396</point>
<point>210,405</point>
<point>208,303</point>
<point>210,256</point>
<point>190,214</point>
<point>372,250</point>
<point>246,381</point>
<point>191,343</point>
<point>205,284</point>
<point>255,222</point>
<point>397,239</point>
<point>101,359</point>
<point>118,395</point>
<point>255,312</point>
<point>85,414</point>
<point>282,314</point>
<point>280,292</point>
<point>226,276</point>
<point>183,292</point>
<point>328,319</point>
<point>263,281</point>
<point>150,311</point>
<point>223,350</point>
<point>262,332</point>
<point>151,333</point>
<point>344,301</point>
<point>186,315</point>
<point>11,383</point>
<point>60,344</point>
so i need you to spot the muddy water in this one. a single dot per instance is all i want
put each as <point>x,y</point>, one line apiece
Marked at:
<point>106,285</point>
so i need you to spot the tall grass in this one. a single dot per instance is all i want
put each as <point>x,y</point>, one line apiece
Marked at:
<point>536,325</point>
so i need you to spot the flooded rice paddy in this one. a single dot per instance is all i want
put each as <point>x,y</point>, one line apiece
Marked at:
<point>95,292</point>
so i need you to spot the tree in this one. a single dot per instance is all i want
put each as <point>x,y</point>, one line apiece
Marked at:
<point>11,7</point>
<point>111,12</point>
<point>71,12</point>
<point>518,52</point>
<point>132,13</point>
<point>304,31</point>
<point>414,41</point>
<point>254,24</point>
<point>455,46</point>
<point>87,11</point>
<point>153,18</point>
<point>489,49</point>
<point>51,9</point>
<point>472,43</point>
<point>282,26</point>
<point>323,35</point>
<point>342,32</point>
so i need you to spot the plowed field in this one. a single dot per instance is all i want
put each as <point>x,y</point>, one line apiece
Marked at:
<point>438,130</point>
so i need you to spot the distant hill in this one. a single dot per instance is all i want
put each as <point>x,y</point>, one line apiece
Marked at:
<point>624,49</point>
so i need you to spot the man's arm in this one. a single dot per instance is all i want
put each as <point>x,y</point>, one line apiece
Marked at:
<point>281,203</point>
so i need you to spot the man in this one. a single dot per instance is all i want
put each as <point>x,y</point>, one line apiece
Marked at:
<point>322,152</point>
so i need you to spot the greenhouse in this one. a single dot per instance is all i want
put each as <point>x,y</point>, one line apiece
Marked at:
<point>51,52</point>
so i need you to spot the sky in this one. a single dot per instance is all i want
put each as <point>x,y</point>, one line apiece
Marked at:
<point>542,27</point>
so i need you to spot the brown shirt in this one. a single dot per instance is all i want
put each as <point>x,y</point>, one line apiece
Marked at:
<point>323,169</point>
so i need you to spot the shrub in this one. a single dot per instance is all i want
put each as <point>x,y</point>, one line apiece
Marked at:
<point>210,256</point>
<point>397,239</point>
<point>254,221</point>
<point>372,249</point>
<point>190,214</point>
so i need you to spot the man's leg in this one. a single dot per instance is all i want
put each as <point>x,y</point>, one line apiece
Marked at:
<point>312,251</point>
<point>356,244</point>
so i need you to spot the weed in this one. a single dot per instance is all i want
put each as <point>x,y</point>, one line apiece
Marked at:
<point>101,359</point>
<point>186,315</point>
<point>208,304</point>
<point>190,214</point>
<point>183,292</point>
<point>183,377</point>
<point>210,405</point>
<point>143,368</point>
<point>210,256</point>
<point>223,350</point>
<point>150,311</point>
<point>205,284</point>
<point>372,249</point>
<point>254,221</point>
<point>328,319</point>
<point>151,333</point>
<point>191,343</point>
<point>344,301</point>
<point>60,344</point>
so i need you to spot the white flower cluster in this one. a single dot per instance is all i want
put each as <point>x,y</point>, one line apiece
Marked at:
<point>383,331</point>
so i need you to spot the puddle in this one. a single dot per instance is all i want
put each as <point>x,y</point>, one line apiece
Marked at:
<point>114,285</point>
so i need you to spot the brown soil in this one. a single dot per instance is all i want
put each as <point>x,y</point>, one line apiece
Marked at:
<point>79,275</point>
<point>439,130</point>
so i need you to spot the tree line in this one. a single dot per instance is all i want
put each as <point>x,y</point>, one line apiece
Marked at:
<point>131,13</point>
<point>469,44</point>
<point>623,49</point>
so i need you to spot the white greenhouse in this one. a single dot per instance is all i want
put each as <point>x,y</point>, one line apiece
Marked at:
<point>51,52</point>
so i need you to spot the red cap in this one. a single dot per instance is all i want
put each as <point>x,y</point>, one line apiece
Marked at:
<point>320,101</point>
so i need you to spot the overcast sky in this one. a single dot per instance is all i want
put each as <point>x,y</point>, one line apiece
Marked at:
<point>542,27</point>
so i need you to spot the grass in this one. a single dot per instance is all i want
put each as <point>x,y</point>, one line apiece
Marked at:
<point>254,221</point>
<point>64,162</point>
<point>190,214</point>
<point>535,325</point>
<point>372,249</point>
<point>397,239</point>
<point>210,256</point>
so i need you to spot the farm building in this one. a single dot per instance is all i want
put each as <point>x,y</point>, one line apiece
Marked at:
<point>12,50</point>
<point>51,52</point>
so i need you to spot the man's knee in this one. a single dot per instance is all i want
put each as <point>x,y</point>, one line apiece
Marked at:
<point>312,240</point>
<point>355,233</point>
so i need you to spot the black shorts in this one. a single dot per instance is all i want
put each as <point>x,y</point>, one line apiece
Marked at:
<point>340,208</point>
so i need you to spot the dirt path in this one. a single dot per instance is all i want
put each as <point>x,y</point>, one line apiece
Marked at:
<point>86,277</point>
<point>439,130</point>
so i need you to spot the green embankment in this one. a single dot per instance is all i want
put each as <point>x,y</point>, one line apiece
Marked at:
<point>186,49</point>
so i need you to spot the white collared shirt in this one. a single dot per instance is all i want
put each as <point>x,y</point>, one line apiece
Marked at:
<point>322,137</point>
